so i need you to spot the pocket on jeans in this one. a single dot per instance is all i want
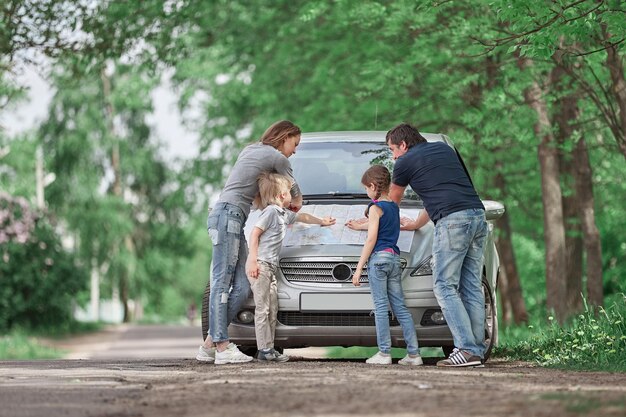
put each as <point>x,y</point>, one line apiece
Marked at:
<point>234,226</point>
<point>212,229</point>
<point>458,234</point>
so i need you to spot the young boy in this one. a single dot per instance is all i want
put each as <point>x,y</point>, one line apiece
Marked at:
<point>265,242</point>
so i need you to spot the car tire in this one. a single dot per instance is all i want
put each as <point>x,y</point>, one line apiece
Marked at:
<point>248,350</point>
<point>447,350</point>
<point>491,321</point>
<point>205,309</point>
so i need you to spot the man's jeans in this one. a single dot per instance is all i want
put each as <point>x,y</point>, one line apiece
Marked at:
<point>384,274</point>
<point>458,249</point>
<point>266,305</point>
<point>229,284</point>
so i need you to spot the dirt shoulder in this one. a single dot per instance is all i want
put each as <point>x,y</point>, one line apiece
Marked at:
<point>301,387</point>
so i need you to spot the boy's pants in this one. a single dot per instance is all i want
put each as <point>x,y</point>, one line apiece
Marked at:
<point>266,302</point>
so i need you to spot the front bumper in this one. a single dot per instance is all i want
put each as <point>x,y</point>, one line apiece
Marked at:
<point>298,336</point>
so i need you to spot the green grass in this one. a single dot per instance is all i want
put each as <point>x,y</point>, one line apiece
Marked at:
<point>360,352</point>
<point>590,341</point>
<point>18,346</point>
<point>22,344</point>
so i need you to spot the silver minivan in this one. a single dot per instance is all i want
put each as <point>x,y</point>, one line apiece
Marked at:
<point>318,305</point>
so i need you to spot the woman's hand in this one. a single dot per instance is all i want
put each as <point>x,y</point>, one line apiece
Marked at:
<point>328,221</point>
<point>355,279</point>
<point>252,268</point>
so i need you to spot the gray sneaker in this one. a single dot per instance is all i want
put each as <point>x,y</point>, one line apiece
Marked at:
<point>206,354</point>
<point>271,355</point>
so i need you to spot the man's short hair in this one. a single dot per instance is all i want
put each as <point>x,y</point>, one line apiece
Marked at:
<point>406,133</point>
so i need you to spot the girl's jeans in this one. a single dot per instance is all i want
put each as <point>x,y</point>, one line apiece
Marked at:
<point>229,284</point>
<point>384,274</point>
<point>458,249</point>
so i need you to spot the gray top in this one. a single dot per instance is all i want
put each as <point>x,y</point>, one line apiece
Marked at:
<point>241,186</point>
<point>273,221</point>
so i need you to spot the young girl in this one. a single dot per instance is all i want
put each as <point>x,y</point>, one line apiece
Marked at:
<point>383,267</point>
<point>266,240</point>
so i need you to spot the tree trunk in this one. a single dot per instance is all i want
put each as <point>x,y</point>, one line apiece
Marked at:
<point>591,235</point>
<point>117,184</point>
<point>566,114</point>
<point>512,290</point>
<point>554,232</point>
<point>503,289</point>
<point>618,89</point>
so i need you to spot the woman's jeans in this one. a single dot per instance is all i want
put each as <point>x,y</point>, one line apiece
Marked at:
<point>229,283</point>
<point>458,248</point>
<point>384,274</point>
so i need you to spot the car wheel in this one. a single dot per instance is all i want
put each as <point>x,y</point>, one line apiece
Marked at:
<point>248,350</point>
<point>447,350</point>
<point>205,309</point>
<point>491,327</point>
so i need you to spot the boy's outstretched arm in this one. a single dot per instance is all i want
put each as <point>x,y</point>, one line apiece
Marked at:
<point>309,219</point>
<point>252,267</point>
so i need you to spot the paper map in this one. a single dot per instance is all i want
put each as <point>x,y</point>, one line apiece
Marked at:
<point>301,234</point>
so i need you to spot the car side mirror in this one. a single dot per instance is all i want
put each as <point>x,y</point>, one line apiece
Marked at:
<point>493,209</point>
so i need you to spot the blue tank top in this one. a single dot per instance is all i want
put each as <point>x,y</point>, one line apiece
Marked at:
<point>389,226</point>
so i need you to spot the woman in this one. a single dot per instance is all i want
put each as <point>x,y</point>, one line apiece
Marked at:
<point>229,284</point>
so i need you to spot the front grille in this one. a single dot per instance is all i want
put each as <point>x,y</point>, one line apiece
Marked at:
<point>315,271</point>
<point>319,271</point>
<point>296,318</point>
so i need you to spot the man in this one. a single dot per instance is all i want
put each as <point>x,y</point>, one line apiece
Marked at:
<point>435,173</point>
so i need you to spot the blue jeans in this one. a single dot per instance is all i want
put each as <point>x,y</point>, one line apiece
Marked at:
<point>229,283</point>
<point>384,274</point>
<point>458,249</point>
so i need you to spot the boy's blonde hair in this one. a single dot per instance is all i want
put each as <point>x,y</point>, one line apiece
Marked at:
<point>271,186</point>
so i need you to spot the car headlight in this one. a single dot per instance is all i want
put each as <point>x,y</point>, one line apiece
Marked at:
<point>424,268</point>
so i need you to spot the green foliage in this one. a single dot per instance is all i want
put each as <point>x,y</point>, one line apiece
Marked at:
<point>19,346</point>
<point>39,279</point>
<point>592,341</point>
<point>188,279</point>
<point>459,67</point>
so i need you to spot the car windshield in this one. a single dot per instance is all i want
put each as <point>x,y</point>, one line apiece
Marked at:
<point>326,169</point>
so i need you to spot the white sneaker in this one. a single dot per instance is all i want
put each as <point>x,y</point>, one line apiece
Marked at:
<point>414,361</point>
<point>231,355</point>
<point>380,359</point>
<point>206,354</point>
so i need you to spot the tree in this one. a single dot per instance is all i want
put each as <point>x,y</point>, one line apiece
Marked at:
<point>126,208</point>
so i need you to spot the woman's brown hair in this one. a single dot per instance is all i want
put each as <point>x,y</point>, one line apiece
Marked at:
<point>277,134</point>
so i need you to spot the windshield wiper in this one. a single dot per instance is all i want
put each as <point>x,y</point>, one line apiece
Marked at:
<point>337,194</point>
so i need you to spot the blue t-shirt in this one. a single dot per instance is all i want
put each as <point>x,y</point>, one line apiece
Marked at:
<point>434,172</point>
<point>388,226</point>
